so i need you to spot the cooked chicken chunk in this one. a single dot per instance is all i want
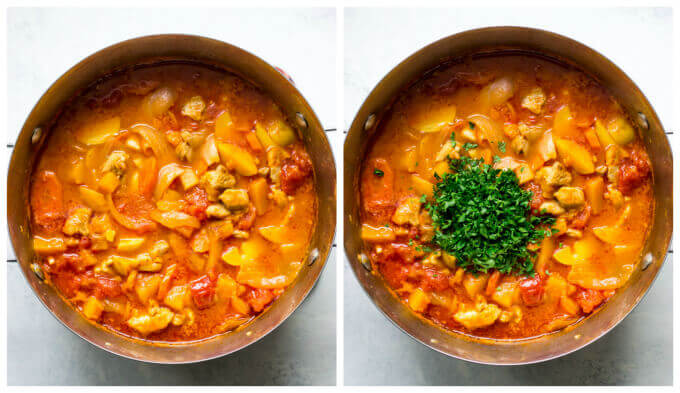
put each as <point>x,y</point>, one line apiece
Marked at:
<point>158,318</point>
<point>235,199</point>
<point>78,222</point>
<point>552,207</point>
<point>484,314</point>
<point>194,108</point>
<point>534,101</point>
<point>116,162</point>
<point>570,197</point>
<point>552,177</point>
<point>216,211</point>
<point>520,145</point>
<point>407,212</point>
<point>217,180</point>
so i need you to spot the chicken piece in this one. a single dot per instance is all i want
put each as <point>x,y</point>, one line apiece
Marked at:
<point>571,197</point>
<point>216,210</point>
<point>235,199</point>
<point>614,196</point>
<point>158,318</point>
<point>534,101</point>
<point>78,222</point>
<point>217,180</point>
<point>407,211</point>
<point>483,315</point>
<point>552,177</point>
<point>116,162</point>
<point>194,108</point>
<point>159,248</point>
<point>532,133</point>
<point>425,226</point>
<point>278,196</point>
<point>520,145</point>
<point>184,151</point>
<point>552,207</point>
<point>275,157</point>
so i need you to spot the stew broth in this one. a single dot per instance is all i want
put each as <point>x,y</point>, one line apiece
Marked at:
<point>568,142</point>
<point>172,202</point>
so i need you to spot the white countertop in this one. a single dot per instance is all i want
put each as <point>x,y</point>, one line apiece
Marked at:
<point>376,351</point>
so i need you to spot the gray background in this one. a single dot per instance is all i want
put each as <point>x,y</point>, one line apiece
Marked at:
<point>639,350</point>
<point>40,351</point>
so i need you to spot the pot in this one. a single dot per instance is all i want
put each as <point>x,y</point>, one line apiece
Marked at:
<point>537,43</point>
<point>151,50</point>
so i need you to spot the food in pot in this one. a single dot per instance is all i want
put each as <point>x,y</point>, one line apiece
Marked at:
<point>172,202</point>
<point>505,196</point>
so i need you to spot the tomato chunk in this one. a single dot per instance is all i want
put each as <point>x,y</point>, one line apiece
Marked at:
<point>295,170</point>
<point>377,184</point>
<point>589,299</point>
<point>197,203</point>
<point>107,288</point>
<point>47,202</point>
<point>531,289</point>
<point>634,170</point>
<point>203,291</point>
<point>259,298</point>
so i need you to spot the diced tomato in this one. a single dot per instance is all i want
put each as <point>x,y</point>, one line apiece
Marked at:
<point>85,242</point>
<point>633,171</point>
<point>72,259</point>
<point>394,273</point>
<point>295,170</point>
<point>531,289</point>
<point>589,299</point>
<point>259,298</point>
<point>107,288</point>
<point>398,252</point>
<point>197,203</point>
<point>136,208</point>
<point>537,195</point>
<point>492,284</point>
<point>377,184</point>
<point>246,221</point>
<point>433,280</point>
<point>581,219</point>
<point>203,291</point>
<point>47,201</point>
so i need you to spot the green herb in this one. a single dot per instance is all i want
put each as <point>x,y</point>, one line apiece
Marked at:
<point>501,146</point>
<point>547,272</point>
<point>468,146</point>
<point>453,139</point>
<point>410,242</point>
<point>423,198</point>
<point>387,225</point>
<point>496,159</point>
<point>472,125</point>
<point>378,172</point>
<point>482,216</point>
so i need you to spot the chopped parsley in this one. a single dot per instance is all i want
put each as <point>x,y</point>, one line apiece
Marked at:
<point>453,139</point>
<point>501,146</point>
<point>472,125</point>
<point>378,172</point>
<point>496,159</point>
<point>468,146</point>
<point>482,216</point>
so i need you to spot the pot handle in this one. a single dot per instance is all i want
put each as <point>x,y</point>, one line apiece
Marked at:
<point>285,74</point>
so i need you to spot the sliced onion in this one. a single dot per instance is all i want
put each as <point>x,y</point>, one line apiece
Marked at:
<point>175,219</point>
<point>498,92</point>
<point>155,139</point>
<point>166,176</point>
<point>488,129</point>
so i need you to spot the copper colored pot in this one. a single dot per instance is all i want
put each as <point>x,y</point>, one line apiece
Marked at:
<point>561,49</point>
<point>152,50</point>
